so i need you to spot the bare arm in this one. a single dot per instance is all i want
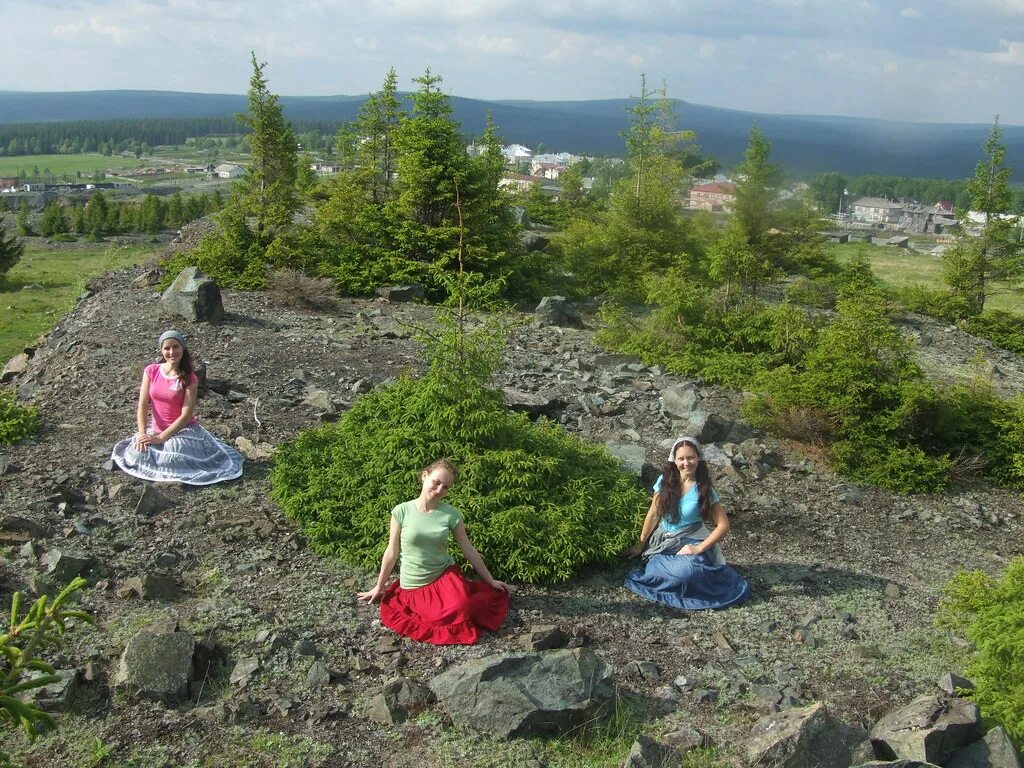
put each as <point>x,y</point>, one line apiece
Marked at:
<point>462,539</point>
<point>719,533</point>
<point>142,437</point>
<point>650,522</point>
<point>387,564</point>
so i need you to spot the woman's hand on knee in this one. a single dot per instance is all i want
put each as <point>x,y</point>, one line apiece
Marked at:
<point>500,585</point>
<point>633,551</point>
<point>689,549</point>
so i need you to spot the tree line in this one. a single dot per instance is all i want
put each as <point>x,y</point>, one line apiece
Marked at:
<point>833,191</point>
<point>129,134</point>
<point>100,215</point>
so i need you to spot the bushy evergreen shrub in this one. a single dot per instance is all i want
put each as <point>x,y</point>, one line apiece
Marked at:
<point>861,379</point>
<point>539,503</point>
<point>1002,328</point>
<point>231,255</point>
<point>812,292</point>
<point>935,302</point>
<point>693,332</point>
<point>16,420</point>
<point>990,613</point>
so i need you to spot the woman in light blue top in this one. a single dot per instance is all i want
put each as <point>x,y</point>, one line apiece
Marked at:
<point>680,538</point>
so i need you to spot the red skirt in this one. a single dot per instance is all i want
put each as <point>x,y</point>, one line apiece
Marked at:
<point>449,611</point>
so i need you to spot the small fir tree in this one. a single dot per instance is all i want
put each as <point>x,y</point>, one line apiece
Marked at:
<point>11,250</point>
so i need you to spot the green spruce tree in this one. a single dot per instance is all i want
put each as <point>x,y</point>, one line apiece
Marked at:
<point>988,259</point>
<point>11,249</point>
<point>267,192</point>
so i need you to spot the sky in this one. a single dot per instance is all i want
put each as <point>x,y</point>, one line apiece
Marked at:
<point>919,60</point>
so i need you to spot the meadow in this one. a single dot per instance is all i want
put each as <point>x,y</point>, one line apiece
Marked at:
<point>61,164</point>
<point>44,285</point>
<point>901,267</point>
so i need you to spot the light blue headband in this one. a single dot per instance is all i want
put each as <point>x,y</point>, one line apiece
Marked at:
<point>172,334</point>
<point>689,441</point>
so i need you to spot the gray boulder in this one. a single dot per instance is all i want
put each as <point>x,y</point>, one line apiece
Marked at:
<point>509,694</point>
<point>930,728</point>
<point>953,683</point>
<point>157,664</point>
<point>62,565</point>
<point>16,366</point>
<point>712,428</point>
<point>319,400</point>
<point>521,216</point>
<point>630,457</point>
<point>534,241</point>
<point>533,404</point>
<point>555,310</point>
<point>193,296</point>
<point>398,700</point>
<point>648,753</point>
<point>57,696</point>
<point>679,400</point>
<point>802,737</point>
<point>994,751</point>
<point>401,293</point>
<point>897,764</point>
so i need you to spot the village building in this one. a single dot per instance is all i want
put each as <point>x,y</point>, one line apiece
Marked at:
<point>520,182</point>
<point>516,153</point>
<point>714,196</point>
<point>10,184</point>
<point>229,171</point>
<point>549,170</point>
<point>876,210</point>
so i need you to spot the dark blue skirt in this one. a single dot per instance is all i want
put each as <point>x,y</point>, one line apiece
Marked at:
<point>688,582</point>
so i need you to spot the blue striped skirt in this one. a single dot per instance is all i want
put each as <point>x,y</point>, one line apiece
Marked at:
<point>193,456</point>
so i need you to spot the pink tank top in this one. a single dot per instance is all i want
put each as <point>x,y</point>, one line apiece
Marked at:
<point>166,397</point>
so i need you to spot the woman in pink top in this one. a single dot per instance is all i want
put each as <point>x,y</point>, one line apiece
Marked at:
<point>170,445</point>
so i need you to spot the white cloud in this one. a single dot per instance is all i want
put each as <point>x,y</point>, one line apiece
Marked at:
<point>1012,53</point>
<point>910,13</point>
<point>565,48</point>
<point>95,26</point>
<point>495,46</point>
<point>432,44</point>
<point>707,50</point>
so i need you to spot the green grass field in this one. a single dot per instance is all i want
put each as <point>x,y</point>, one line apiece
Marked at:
<point>899,267</point>
<point>44,285</point>
<point>61,164</point>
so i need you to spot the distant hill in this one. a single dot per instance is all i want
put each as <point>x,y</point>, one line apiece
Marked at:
<point>802,143</point>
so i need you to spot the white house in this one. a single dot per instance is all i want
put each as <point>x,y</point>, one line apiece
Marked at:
<point>229,171</point>
<point>516,153</point>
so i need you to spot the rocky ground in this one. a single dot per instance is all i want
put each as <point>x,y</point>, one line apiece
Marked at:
<point>845,579</point>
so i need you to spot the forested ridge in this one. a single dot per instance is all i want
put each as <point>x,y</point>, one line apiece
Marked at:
<point>41,123</point>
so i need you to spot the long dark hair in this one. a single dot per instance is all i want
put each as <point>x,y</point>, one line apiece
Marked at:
<point>185,367</point>
<point>672,490</point>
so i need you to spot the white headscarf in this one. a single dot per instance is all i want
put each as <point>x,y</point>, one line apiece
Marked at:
<point>692,441</point>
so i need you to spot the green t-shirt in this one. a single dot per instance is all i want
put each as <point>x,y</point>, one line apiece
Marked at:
<point>424,553</point>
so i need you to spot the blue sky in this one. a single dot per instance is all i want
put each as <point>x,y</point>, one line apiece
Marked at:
<point>940,60</point>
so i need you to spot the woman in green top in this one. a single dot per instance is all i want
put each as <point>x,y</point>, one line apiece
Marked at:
<point>432,601</point>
